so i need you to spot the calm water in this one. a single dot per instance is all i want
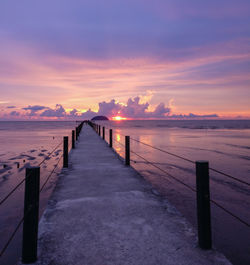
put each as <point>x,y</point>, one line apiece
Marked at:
<point>225,144</point>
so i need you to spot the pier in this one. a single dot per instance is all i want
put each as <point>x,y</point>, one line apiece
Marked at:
<point>102,212</point>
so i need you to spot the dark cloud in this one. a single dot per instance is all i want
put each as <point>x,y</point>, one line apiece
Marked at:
<point>58,112</point>
<point>192,116</point>
<point>73,112</point>
<point>15,113</point>
<point>33,109</point>
<point>11,107</point>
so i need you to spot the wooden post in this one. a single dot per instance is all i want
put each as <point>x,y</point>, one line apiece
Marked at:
<point>203,205</point>
<point>31,215</point>
<point>65,151</point>
<point>99,130</point>
<point>110,138</point>
<point>76,133</point>
<point>73,139</point>
<point>127,150</point>
<point>103,133</point>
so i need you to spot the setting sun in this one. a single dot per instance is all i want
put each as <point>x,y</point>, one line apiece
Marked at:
<point>118,118</point>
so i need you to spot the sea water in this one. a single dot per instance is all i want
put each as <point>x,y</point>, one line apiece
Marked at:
<point>225,144</point>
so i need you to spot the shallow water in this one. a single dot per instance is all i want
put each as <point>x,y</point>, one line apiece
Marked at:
<point>225,144</point>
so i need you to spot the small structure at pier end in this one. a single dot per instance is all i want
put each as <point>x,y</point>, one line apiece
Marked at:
<point>100,118</point>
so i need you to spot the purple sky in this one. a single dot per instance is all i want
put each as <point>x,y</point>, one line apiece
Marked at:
<point>178,57</point>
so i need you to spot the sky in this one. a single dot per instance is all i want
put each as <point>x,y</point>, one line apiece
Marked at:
<point>139,59</point>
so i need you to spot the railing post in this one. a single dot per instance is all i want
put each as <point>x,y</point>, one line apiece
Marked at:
<point>103,133</point>
<point>73,139</point>
<point>31,215</point>
<point>65,151</point>
<point>76,133</point>
<point>110,138</point>
<point>127,150</point>
<point>203,205</point>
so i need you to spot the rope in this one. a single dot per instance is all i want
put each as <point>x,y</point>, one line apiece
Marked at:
<point>166,152</point>
<point>188,160</point>
<point>12,191</point>
<point>230,213</point>
<point>21,182</point>
<point>229,176</point>
<point>212,201</point>
<point>51,174</point>
<point>11,237</point>
<point>49,154</point>
<point>164,171</point>
<point>119,142</point>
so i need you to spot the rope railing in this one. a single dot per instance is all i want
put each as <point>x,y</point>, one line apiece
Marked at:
<point>186,159</point>
<point>119,142</point>
<point>10,164</point>
<point>21,221</point>
<point>12,191</point>
<point>51,173</point>
<point>229,176</point>
<point>11,237</point>
<point>230,213</point>
<point>22,181</point>
<point>164,151</point>
<point>47,156</point>
<point>164,171</point>
<point>192,189</point>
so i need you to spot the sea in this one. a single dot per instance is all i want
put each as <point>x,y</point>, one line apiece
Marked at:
<point>164,152</point>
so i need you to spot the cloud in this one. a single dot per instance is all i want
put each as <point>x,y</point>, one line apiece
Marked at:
<point>109,109</point>
<point>10,107</point>
<point>192,116</point>
<point>161,111</point>
<point>15,113</point>
<point>58,112</point>
<point>89,114</point>
<point>134,108</point>
<point>33,109</point>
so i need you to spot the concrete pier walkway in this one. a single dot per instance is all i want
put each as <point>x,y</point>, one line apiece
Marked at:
<point>103,213</point>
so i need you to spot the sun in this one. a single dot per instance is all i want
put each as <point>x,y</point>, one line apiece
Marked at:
<point>118,118</point>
